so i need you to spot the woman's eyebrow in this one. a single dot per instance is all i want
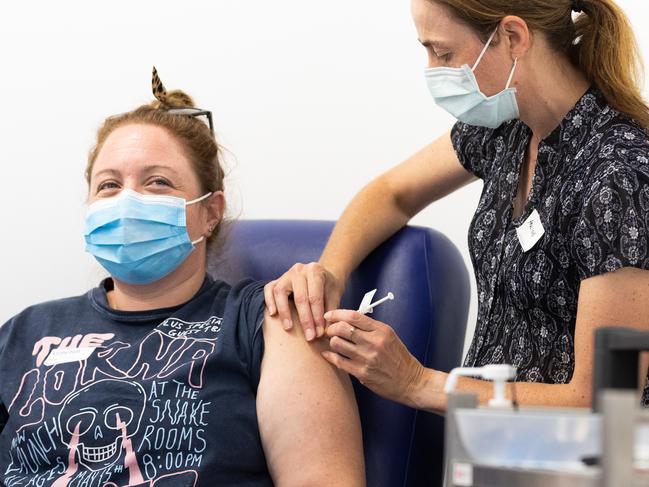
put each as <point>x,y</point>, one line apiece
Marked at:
<point>114,172</point>
<point>145,170</point>
<point>434,44</point>
<point>157,167</point>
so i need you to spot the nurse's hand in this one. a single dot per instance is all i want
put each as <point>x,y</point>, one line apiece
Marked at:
<point>314,289</point>
<point>373,353</point>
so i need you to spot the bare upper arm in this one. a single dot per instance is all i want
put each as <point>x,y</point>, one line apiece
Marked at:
<point>619,298</point>
<point>308,418</point>
<point>428,175</point>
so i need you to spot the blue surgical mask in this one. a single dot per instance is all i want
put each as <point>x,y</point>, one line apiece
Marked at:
<point>138,238</point>
<point>456,90</point>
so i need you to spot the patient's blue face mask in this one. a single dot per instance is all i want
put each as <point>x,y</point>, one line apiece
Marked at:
<point>456,90</point>
<point>138,238</point>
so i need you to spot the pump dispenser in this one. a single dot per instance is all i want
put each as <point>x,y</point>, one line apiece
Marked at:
<point>498,373</point>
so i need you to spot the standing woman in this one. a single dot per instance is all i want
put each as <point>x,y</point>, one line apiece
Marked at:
<point>550,117</point>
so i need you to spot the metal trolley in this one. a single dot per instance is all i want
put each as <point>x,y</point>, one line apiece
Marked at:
<point>607,446</point>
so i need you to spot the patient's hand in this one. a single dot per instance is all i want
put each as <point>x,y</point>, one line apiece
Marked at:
<point>315,290</point>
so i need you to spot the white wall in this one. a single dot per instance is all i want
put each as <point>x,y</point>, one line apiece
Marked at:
<point>313,98</point>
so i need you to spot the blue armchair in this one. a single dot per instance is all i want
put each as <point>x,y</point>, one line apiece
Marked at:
<point>425,271</point>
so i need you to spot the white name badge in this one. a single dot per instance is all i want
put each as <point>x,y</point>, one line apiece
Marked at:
<point>65,355</point>
<point>530,231</point>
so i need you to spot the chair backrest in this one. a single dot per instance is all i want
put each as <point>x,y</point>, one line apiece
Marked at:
<point>427,275</point>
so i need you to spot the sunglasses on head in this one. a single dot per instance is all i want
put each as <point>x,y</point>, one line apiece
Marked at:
<point>193,112</point>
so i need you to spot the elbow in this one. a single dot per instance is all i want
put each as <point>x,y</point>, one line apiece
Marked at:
<point>579,394</point>
<point>384,190</point>
<point>581,401</point>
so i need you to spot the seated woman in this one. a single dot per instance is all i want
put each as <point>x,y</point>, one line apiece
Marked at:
<point>161,375</point>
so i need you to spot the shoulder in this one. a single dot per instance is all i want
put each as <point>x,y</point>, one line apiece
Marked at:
<point>612,228</point>
<point>618,130</point>
<point>228,298</point>
<point>616,176</point>
<point>36,319</point>
<point>50,310</point>
<point>245,296</point>
<point>242,306</point>
<point>463,132</point>
<point>612,149</point>
<point>617,144</point>
<point>479,148</point>
<point>622,158</point>
<point>245,288</point>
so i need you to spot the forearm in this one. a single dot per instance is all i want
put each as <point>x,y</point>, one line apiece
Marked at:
<point>428,392</point>
<point>390,201</point>
<point>369,219</point>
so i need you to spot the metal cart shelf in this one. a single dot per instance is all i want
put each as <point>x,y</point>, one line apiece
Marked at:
<point>610,426</point>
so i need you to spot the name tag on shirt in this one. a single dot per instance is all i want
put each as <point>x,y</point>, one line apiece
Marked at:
<point>65,355</point>
<point>530,231</point>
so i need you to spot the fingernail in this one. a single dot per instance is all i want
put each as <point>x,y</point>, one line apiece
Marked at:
<point>309,335</point>
<point>327,315</point>
<point>271,310</point>
<point>320,331</point>
<point>287,324</point>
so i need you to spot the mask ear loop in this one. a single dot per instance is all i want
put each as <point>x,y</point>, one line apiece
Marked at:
<point>202,237</point>
<point>511,74</point>
<point>199,240</point>
<point>198,199</point>
<point>484,49</point>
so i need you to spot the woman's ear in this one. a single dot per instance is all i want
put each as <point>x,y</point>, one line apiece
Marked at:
<point>516,35</point>
<point>215,210</point>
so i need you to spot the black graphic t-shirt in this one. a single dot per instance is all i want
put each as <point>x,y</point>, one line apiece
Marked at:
<point>591,191</point>
<point>97,397</point>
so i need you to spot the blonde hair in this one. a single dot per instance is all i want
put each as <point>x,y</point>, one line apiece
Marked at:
<point>599,41</point>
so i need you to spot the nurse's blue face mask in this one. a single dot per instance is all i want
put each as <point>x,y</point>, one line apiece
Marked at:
<point>456,90</point>
<point>139,239</point>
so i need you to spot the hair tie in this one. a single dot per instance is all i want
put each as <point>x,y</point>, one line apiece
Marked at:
<point>577,6</point>
<point>158,88</point>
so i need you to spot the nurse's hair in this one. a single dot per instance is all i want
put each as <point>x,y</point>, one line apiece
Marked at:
<point>193,133</point>
<point>599,41</point>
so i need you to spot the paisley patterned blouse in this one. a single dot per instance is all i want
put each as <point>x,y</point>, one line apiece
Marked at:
<point>591,190</point>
